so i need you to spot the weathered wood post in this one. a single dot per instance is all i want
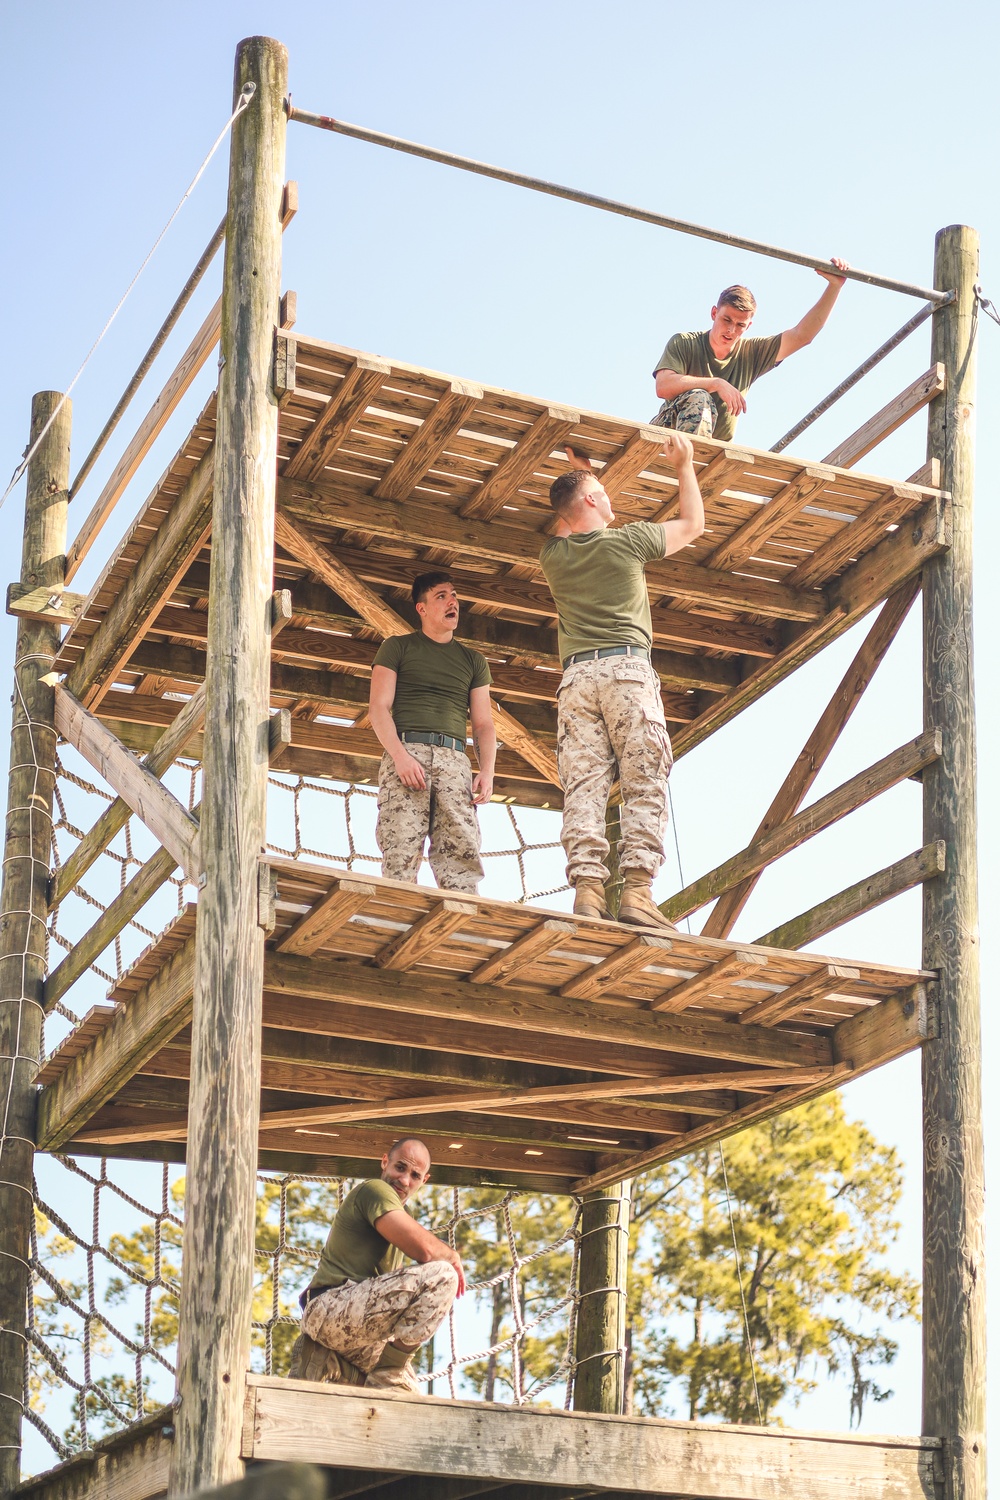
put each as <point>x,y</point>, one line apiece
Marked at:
<point>599,1384</point>
<point>24,904</point>
<point>214,1341</point>
<point>954,1317</point>
<point>613,832</point>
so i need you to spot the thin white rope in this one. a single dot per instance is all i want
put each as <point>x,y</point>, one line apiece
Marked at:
<point>739,1278</point>
<point>249,89</point>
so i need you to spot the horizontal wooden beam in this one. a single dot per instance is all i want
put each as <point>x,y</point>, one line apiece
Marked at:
<point>453,407</point>
<point>343,1428</point>
<point>768,519</point>
<point>736,965</point>
<point>165,817</point>
<point>899,410</point>
<point>320,978</point>
<point>344,409</point>
<point>856,537</point>
<point>637,955</point>
<point>852,794</point>
<point>865,895</point>
<point>526,951</point>
<point>137,1032</point>
<point>417,945</point>
<point>550,429</point>
<point>57,605</point>
<point>826,980</point>
<point>332,912</point>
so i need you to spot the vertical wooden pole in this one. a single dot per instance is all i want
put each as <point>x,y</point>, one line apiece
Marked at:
<point>613,833</point>
<point>954,1318</point>
<point>214,1341</point>
<point>599,1384</point>
<point>24,906</point>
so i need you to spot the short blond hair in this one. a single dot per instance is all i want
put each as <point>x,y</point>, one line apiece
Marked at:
<point>740,297</point>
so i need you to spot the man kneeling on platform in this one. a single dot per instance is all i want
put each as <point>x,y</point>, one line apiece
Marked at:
<point>424,688</point>
<point>364,1313</point>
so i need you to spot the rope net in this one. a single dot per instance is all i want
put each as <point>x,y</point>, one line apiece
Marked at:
<point>107,1243</point>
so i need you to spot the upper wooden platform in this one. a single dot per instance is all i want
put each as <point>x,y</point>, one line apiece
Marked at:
<point>530,1049</point>
<point>387,470</point>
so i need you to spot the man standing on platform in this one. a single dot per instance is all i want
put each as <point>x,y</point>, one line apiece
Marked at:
<point>365,1314</point>
<point>425,687</point>
<point>610,710</point>
<point>703,378</point>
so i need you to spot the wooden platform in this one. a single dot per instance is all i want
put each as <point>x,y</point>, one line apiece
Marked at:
<point>530,1049</point>
<point>397,1447</point>
<point>385,470</point>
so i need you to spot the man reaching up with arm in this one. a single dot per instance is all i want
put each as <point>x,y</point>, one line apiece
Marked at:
<point>364,1313</point>
<point>610,711</point>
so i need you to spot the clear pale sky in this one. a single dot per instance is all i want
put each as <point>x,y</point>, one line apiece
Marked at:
<point>824,131</point>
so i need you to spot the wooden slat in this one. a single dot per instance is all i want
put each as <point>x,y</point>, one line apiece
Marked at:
<point>827,979</point>
<point>330,913</point>
<point>852,794</point>
<point>152,581</point>
<point>640,1456</point>
<point>627,465</point>
<point>451,410</point>
<point>511,732</point>
<point>165,817</point>
<point>636,955</point>
<point>855,537</point>
<point>736,965</point>
<point>166,403</point>
<point>769,519</point>
<point>899,410</point>
<point>344,409</point>
<point>320,560</point>
<point>58,605</point>
<point>137,1032</point>
<point>551,428</point>
<point>727,467</point>
<point>523,953</point>
<point>417,946</point>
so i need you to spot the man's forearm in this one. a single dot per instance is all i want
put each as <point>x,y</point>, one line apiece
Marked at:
<point>384,727</point>
<point>669,384</point>
<point>484,738</point>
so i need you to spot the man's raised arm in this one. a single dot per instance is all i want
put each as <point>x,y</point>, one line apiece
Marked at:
<point>417,1242</point>
<point>808,327</point>
<point>690,522</point>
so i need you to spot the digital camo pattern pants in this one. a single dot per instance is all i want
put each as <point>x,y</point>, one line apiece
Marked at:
<point>693,412</point>
<point>358,1319</point>
<point>611,716</point>
<point>443,812</point>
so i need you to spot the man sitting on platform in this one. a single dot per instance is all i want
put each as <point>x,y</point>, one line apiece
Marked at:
<point>364,1313</point>
<point>610,717</point>
<point>424,688</point>
<point>703,378</point>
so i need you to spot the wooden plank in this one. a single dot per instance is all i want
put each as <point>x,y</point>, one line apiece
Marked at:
<point>166,403</point>
<point>165,817</point>
<point>887,1031</point>
<point>284,372</point>
<point>736,965</point>
<point>816,749</point>
<point>451,410</point>
<point>321,561</point>
<point>49,602</point>
<point>642,1455</point>
<point>626,466</point>
<point>852,794</point>
<point>288,310</point>
<point>521,954</point>
<point>865,895</point>
<point>343,411</point>
<point>768,519</point>
<point>331,912</point>
<point>321,978</point>
<point>899,410</point>
<point>550,429</point>
<point>417,945</point>
<point>531,749</point>
<point>855,537</point>
<point>635,956</point>
<point>825,981</point>
<point>131,1464</point>
<point>727,467</point>
<point>153,1015</point>
<point>147,587</point>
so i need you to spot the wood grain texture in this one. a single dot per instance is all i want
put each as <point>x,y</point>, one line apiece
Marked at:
<point>451,410</point>
<point>549,430</point>
<point>217,1283</point>
<point>768,519</point>
<point>897,411</point>
<point>523,953</point>
<point>599,1383</point>
<point>24,898</point>
<point>954,1306</point>
<point>735,965</point>
<point>330,913</point>
<point>355,393</point>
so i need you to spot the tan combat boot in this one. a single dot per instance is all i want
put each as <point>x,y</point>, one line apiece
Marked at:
<point>312,1361</point>
<point>589,899</point>
<point>637,905</point>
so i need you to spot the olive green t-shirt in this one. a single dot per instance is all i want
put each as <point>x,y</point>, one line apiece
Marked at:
<point>598,582</point>
<point>691,354</point>
<point>354,1250</point>
<point>433,682</point>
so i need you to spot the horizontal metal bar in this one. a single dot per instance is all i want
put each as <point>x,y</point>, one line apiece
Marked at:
<point>862,370</point>
<point>169,323</point>
<point>609,205</point>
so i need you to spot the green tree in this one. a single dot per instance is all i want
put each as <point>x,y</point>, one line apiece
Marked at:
<point>813,1197</point>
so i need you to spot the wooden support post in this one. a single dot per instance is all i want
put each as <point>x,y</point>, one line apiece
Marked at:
<point>613,833</point>
<point>214,1338</point>
<point>954,1317</point>
<point>599,1384</point>
<point>23,906</point>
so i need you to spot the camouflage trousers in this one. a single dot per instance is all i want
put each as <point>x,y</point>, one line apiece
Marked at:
<point>443,811</point>
<point>611,719</point>
<point>359,1318</point>
<point>693,412</point>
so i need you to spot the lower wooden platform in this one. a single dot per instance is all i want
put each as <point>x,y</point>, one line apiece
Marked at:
<point>530,1049</point>
<point>399,1447</point>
